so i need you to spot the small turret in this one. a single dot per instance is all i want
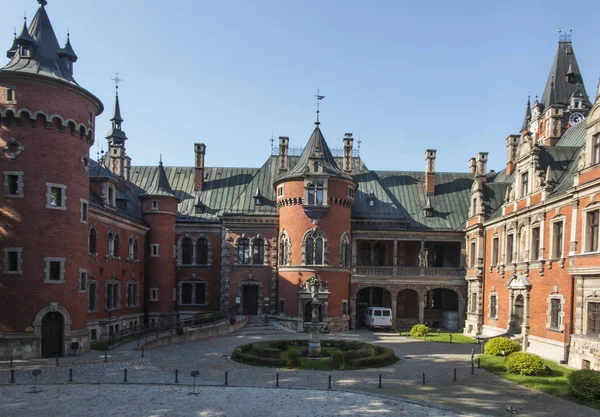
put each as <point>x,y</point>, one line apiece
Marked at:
<point>68,55</point>
<point>14,48</point>
<point>527,119</point>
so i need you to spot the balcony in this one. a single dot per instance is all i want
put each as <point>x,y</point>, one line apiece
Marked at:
<point>408,271</point>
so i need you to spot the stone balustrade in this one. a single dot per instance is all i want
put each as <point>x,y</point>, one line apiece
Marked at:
<point>408,271</point>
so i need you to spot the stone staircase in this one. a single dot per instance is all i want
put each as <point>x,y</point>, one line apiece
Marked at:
<point>256,327</point>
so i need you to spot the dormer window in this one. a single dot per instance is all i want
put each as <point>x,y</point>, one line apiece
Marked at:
<point>319,199</point>
<point>24,51</point>
<point>258,201</point>
<point>311,194</point>
<point>371,200</point>
<point>154,204</point>
<point>316,167</point>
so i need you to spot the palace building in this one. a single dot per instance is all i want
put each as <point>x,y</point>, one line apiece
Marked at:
<point>91,247</point>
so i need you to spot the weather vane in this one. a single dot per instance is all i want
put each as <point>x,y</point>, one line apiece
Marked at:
<point>117,80</point>
<point>319,98</point>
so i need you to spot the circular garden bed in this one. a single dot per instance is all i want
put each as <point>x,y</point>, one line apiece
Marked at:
<point>294,354</point>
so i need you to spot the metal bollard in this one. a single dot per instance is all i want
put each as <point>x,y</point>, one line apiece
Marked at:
<point>70,374</point>
<point>12,376</point>
<point>380,386</point>
<point>329,385</point>
<point>11,361</point>
<point>226,378</point>
<point>423,378</point>
<point>125,375</point>
<point>105,357</point>
<point>142,352</point>
<point>57,359</point>
<point>277,380</point>
<point>450,334</point>
<point>177,376</point>
<point>454,379</point>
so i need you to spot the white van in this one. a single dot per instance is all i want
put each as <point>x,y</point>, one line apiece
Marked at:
<point>378,317</point>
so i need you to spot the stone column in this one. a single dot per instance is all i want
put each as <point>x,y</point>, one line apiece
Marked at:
<point>394,308</point>
<point>540,254</point>
<point>395,254</point>
<point>573,240</point>
<point>421,308</point>
<point>354,250</point>
<point>422,254</point>
<point>511,299</point>
<point>525,330</point>
<point>352,313</point>
<point>461,311</point>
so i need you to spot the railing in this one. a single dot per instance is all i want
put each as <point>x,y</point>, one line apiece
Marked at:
<point>408,271</point>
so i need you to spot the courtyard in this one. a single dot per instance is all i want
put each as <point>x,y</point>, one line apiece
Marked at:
<point>153,384</point>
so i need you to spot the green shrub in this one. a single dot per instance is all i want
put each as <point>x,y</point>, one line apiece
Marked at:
<point>265,351</point>
<point>342,344</point>
<point>294,358</point>
<point>337,360</point>
<point>246,348</point>
<point>315,354</point>
<point>496,345</point>
<point>585,384</point>
<point>365,352</point>
<point>282,344</point>
<point>524,363</point>
<point>419,330</point>
<point>388,357</point>
<point>250,359</point>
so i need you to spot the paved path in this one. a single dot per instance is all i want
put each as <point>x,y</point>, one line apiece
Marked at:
<point>482,392</point>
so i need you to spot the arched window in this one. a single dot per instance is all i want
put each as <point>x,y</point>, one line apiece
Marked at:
<point>135,249</point>
<point>345,250</point>
<point>187,251</point>
<point>311,194</point>
<point>243,251</point>
<point>116,245</point>
<point>284,248</point>
<point>310,251</point>
<point>110,244</point>
<point>202,251</point>
<point>364,254</point>
<point>319,251</point>
<point>379,254</point>
<point>319,198</point>
<point>258,252</point>
<point>314,248</point>
<point>130,248</point>
<point>92,241</point>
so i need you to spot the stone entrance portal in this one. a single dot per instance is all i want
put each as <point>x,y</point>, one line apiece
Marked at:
<point>52,334</point>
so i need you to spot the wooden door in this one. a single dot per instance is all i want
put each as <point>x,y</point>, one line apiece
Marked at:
<point>52,335</point>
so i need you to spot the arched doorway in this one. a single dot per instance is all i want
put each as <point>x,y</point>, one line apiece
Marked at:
<point>371,297</point>
<point>441,309</point>
<point>308,312</point>
<point>407,308</point>
<point>517,319</point>
<point>52,334</point>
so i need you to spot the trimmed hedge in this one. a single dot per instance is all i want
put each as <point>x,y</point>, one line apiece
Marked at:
<point>365,352</point>
<point>524,363</point>
<point>585,384</point>
<point>256,360</point>
<point>337,359</point>
<point>383,357</point>
<point>419,330</point>
<point>294,358</point>
<point>265,351</point>
<point>496,345</point>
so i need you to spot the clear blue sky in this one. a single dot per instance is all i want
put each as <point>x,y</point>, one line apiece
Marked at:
<point>404,76</point>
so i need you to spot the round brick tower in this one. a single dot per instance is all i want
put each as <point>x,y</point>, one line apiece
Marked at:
<point>160,212</point>
<point>46,130</point>
<point>315,200</point>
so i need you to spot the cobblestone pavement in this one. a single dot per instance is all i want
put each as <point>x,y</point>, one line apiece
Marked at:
<point>479,392</point>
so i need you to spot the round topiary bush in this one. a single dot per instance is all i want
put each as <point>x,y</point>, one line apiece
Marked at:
<point>585,384</point>
<point>524,363</point>
<point>497,345</point>
<point>419,330</point>
<point>337,360</point>
<point>294,358</point>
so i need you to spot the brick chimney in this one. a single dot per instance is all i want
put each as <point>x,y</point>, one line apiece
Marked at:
<point>481,162</point>
<point>348,144</point>
<point>284,142</point>
<point>200,150</point>
<point>127,168</point>
<point>512,143</point>
<point>430,171</point>
<point>472,166</point>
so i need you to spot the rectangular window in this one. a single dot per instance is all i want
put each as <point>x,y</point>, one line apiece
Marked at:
<point>186,293</point>
<point>193,293</point>
<point>280,191</point>
<point>524,184</point>
<point>13,184</point>
<point>92,297</point>
<point>557,239</point>
<point>154,204</point>
<point>153,294</point>
<point>596,152</point>
<point>495,250</point>
<point>535,243</point>
<point>473,303</point>
<point>472,254</point>
<point>84,211</point>
<point>56,196</point>
<point>555,307</point>
<point>154,250</point>
<point>55,270</point>
<point>10,94</point>
<point>94,335</point>
<point>493,307</point>
<point>509,248</point>
<point>132,294</point>
<point>351,192</point>
<point>200,294</point>
<point>82,280</point>
<point>593,318</point>
<point>12,260</point>
<point>592,230</point>
<point>282,306</point>
<point>344,307</point>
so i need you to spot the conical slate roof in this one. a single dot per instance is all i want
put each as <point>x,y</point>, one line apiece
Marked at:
<point>160,186</point>
<point>116,133</point>
<point>68,51</point>
<point>316,149</point>
<point>527,115</point>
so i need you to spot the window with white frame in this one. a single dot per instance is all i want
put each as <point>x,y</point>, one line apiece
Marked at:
<point>596,149</point>
<point>132,297</point>
<point>280,191</point>
<point>132,252</point>
<point>13,184</point>
<point>350,191</point>
<point>56,196</point>
<point>555,312</point>
<point>591,230</point>
<point>153,294</point>
<point>83,211</point>
<point>154,248</point>
<point>112,295</point>
<point>557,239</point>
<point>345,250</point>
<point>535,243</point>
<point>13,258</point>
<point>473,254</point>
<point>111,200</point>
<point>592,318</point>
<point>510,246</point>
<point>192,293</point>
<point>154,205</point>
<point>54,272</point>
<point>11,94</point>
<point>524,184</point>
<point>83,278</point>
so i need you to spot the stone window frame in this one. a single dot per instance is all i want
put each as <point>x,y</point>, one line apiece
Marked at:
<point>344,308</point>
<point>511,257</point>
<point>236,255</point>
<point>493,293</point>
<point>472,252</point>
<point>473,306</point>
<point>49,187</point>
<point>7,89</point>
<point>208,249</point>
<point>557,219</point>
<point>265,253</point>
<point>89,235</point>
<point>193,283</point>
<point>590,299</point>
<point>561,316</point>
<point>154,250</point>
<point>345,251</point>
<point>92,281</point>
<point>153,294</point>
<point>280,191</point>
<point>282,306</point>
<point>111,238</point>
<point>284,242</point>
<point>195,242</point>
<point>315,233</point>
<point>351,192</point>
<point>116,303</point>
<point>47,260</point>
<point>82,279</point>
<point>84,207</point>
<point>534,253</point>
<point>20,184</point>
<point>495,237</point>
<point>315,182</point>
<point>19,270</point>
<point>132,252</point>
<point>584,227</point>
<point>131,282</point>
<point>154,205</point>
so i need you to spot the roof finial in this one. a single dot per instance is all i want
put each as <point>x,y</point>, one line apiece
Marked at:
<point>564,37</point>
<point>319,98</point>
<point>117,80</point>
<point>68,35</point>
<point>42,2</point>
<point>160,161</point>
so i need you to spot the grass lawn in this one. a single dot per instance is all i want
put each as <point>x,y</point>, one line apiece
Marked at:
<point>445,337</point>
<point>308,363</point>
<point>556,385</point>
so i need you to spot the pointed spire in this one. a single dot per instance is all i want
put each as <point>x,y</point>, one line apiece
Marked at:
<point>67,51</point>
<point>527,115</point>
<point>14,48</point>
<point>25,38</point>
<point>160,186</point>
<point>257,194</point>
<point>116,134</point>
<point>553,99</point>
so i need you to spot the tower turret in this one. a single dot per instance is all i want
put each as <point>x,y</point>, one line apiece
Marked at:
<point>116,157</point>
